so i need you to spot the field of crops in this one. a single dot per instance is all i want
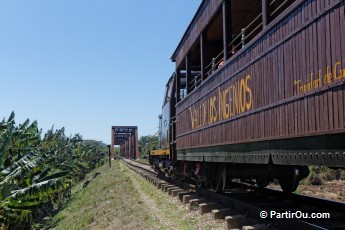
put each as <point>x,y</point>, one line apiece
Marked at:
<point>37,170</point>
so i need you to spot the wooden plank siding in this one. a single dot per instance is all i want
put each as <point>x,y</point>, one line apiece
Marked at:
<point>310,42</point>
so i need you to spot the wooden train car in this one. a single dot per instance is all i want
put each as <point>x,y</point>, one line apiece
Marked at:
<point>259,91</point>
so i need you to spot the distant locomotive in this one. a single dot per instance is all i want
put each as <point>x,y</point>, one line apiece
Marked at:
<point>258,93</point>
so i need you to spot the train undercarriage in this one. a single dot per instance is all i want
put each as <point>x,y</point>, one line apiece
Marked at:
<point>216,176</point>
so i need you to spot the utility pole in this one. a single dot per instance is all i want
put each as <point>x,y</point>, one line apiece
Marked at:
<point>109,155</point>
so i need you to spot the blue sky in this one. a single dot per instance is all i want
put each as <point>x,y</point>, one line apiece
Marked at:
<point>87,65</point>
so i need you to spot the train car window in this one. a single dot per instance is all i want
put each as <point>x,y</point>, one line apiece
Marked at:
<point>276,7</point>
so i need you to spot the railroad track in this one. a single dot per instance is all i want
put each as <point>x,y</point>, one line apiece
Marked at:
<point>244,206</point>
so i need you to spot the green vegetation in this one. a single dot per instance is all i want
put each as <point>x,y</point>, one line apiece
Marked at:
<point>298,191</point>
<point>147,143</point>
<point>117,151</point>
<point>319,174</point>
<point>109,200</point>
<point>120,199</point>
<point>37,171</point>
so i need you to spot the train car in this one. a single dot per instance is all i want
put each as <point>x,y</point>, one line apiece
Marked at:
<point>258,92</point>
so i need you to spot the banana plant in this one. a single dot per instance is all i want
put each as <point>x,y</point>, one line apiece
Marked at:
<point>35,170</point>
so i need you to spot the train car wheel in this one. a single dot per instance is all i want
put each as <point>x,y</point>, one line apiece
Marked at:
<point>217,182</point>
<point>290,180</point>
<point>262,182</point>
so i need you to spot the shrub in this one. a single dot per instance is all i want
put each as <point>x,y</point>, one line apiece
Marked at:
<point>315,179</point>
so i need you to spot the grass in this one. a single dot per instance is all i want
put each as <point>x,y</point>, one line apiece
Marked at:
<point>144,160</point>
<point>298,191</point>
<point>170,211</point>
<point>109,201</point>
<point>120,199</point>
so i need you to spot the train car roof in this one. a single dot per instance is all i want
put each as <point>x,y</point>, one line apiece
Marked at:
<point>190,26</point>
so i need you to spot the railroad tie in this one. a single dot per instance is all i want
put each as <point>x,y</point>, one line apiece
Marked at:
<point>222,213</point>
<point>167,187</point>
<point>187,198</point>
<point>194,203</point>
<point>171,189</point>
<point>237,221</point>
<point>176,192</point>
<point>160,184</point>
<point>163,186</point>
<point>207,207</point>
<point>181,195</point>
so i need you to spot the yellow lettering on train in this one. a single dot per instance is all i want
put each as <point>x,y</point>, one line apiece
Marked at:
<point>204,112</point>
<point>236,97</point>
<point>249,93</point>
<point>242,96</point>
<point>330,76</point>
<point>209,112</point>
<point>337,70</point>
<point>220,104</point>
<point>227,102</point>
<point>214,109</point>
<point>232,100</point>
<point>226,106</point>
<point>191,111</point>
